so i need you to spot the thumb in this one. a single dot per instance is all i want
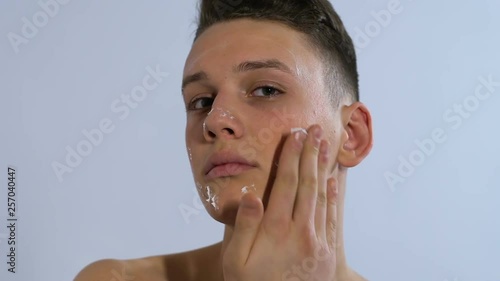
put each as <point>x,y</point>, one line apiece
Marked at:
<point>248,218</point>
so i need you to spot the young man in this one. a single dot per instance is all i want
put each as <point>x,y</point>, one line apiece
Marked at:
<point>273,123</point>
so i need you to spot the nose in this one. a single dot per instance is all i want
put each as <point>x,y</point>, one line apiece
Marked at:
<point>221,123</point>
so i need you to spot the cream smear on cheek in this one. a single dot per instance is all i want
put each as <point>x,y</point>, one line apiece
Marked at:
<point>190,154</point>
<point>248,188</point>
<point>293,130</point>
<point>208,195</point>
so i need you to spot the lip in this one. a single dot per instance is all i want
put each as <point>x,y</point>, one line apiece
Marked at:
<point>226,163</point>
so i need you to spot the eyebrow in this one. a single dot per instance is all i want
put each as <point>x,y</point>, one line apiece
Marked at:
<point>242,67</point>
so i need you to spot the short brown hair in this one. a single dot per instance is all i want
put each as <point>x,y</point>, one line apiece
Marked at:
<point>315,18</point>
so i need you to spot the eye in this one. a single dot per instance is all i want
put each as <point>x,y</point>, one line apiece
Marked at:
<point>200,103</point>
<point>266,91</point>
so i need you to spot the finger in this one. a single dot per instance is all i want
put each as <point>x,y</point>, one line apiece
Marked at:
<point>308,178</point>
<point>284,190</point>
<point>331,215</point>
<point>321,201</point>
<point>248,219</point>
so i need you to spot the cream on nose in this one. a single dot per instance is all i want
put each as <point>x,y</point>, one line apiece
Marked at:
<point>219,119</point>
<point>221,112</point>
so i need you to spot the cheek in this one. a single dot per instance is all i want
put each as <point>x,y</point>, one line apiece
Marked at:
<point>190,154</point>
<point>193,136</point>
<point>194,154</point>
<point>194,127</point>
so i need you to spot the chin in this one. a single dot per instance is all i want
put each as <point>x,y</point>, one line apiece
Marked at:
<point>222,200</point>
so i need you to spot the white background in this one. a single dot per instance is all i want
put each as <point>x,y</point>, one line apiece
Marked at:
<point>123,200</point>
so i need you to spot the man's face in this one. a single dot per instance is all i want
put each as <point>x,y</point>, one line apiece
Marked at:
<point>247,84</point>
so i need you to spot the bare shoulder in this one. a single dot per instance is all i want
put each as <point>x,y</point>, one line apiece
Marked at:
<point>124,270</point>
<point>199,264</point>
<point>99,270</point>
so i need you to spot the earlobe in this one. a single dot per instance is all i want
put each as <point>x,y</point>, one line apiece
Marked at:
<point>357,138</point>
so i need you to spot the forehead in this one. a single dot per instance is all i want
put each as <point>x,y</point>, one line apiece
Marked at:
<point>244,39</point>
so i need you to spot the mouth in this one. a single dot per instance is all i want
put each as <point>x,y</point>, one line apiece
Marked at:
<point>225,164</point>
<point>226,170</point>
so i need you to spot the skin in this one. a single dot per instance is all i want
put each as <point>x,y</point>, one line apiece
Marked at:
<point>294,196</point>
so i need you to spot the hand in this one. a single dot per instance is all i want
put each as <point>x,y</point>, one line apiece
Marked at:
<point>295,238</point>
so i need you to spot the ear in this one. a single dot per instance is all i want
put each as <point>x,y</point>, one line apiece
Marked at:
<point>357,138</point>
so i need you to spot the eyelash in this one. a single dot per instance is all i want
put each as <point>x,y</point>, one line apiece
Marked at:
<point>276,93</point>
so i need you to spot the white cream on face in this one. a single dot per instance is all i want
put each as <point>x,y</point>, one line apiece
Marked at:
<point>293,130</point>
<point>217,55</point>
<point>212,197</point>
<point>222,113</point>
<point>248,188</point>
<point>190,154</point>
<point>208,195</point>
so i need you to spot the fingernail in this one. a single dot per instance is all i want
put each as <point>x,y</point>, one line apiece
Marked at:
<point>299,134</point>
<point>324,148</point>
<point>332,186</point>
<point>317,132</point>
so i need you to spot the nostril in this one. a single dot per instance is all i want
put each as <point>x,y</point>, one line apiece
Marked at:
<point>230,131</point>
<point>211,134</point>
